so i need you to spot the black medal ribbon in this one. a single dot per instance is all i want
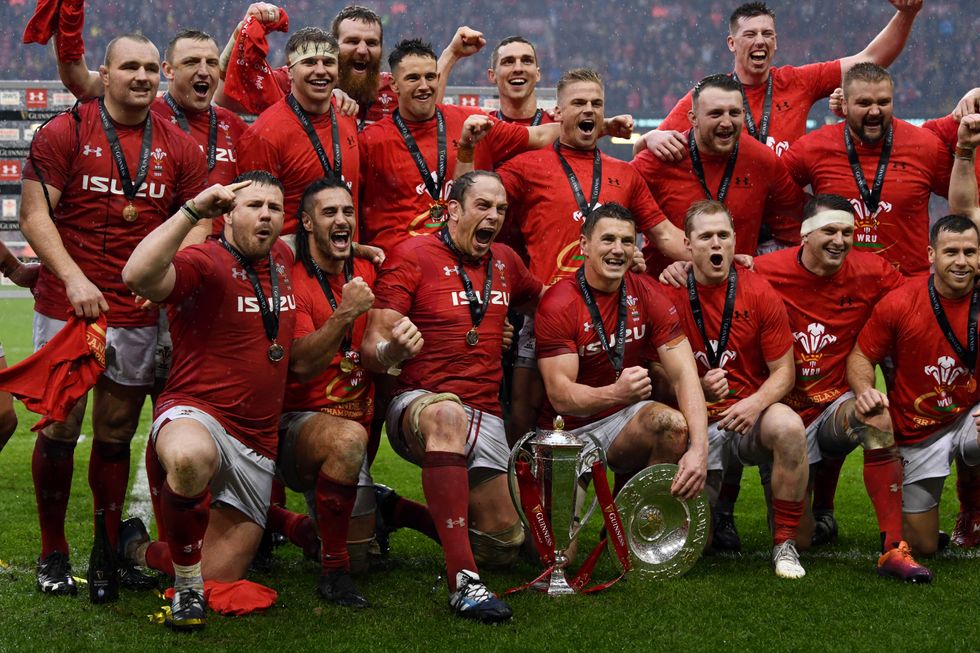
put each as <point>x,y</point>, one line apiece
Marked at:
<point>714,354</point>
<point>184,125</point>
<point>762,133</point>
<point>478,309</point>
<point>321,278</point>
<point>535,121</point>
<point>616,354</point>
<point>583,206</point>
<point>967,356</point>
<point>434,187</point>
<point>270,317</point>
<point>336,172</point>
<point>871,197</point>
<point>130,187</point>
<point>726,178</point>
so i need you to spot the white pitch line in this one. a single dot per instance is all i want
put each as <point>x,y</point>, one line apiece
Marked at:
<point>139,496</point>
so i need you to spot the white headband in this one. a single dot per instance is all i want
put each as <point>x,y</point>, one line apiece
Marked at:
<point>311,51</point>
<point>824,218</point>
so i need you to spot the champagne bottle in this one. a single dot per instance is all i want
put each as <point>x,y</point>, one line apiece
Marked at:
<point>103,577</point>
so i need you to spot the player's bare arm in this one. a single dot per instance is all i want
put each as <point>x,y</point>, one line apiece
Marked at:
<point>313,353</point>
<point>677,360</point>
<point>963,196</point>
<point>150,271</point>
<point>669,240</point>
<point>888,44</point>
<point>390,339</point>
<point>475,128</point>
<point>861,377</point>
<point>465,43</point>
<point>23,275</point>
<point>969,103</point>
<point>666,144</point>
<point>571,398</point>
<point>742,416</point>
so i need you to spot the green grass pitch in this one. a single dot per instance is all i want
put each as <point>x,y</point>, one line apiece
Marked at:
<point>725,603</point>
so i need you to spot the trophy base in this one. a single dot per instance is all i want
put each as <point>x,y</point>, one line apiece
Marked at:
<point>555,585</point>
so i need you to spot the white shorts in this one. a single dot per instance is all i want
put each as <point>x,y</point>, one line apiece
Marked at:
<point>129,351</point>
<point>722,445</point>
<point>290,425</point>
<point>244,476</point>
<point>812,446</point>
<point>932,458</point>
<point>607,429</point>
<point>526,347</point>
<point>486,441</point>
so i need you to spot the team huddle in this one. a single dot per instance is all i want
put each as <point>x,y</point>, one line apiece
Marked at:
<point>364,258</point>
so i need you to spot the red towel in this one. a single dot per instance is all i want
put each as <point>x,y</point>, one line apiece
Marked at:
<point>248,79</point>
<point>237,598</point>
<point>63,18</point>
<point>52,380</point>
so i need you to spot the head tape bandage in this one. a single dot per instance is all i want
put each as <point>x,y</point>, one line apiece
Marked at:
<point>824,218</point>
<point>312,51</point>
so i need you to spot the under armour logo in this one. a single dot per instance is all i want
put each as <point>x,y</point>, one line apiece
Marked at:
<point>893,488</point>
<point>846,301</point>
<point>899,165</point>
<point>88,149</point>
<point>741,315</point>
<point>451,270</point>
<point>613,181</point>
<point>455,523</point>
<point>237,273</point>
<point>9,169</point>
<point>782,106</point>
<point>35,96</point>
<point>741,181</point>
<point>158,154</point>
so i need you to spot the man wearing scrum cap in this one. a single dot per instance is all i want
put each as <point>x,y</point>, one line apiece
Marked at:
<point>829,292</point>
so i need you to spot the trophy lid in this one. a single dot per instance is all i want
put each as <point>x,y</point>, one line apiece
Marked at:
<point>557,437</point>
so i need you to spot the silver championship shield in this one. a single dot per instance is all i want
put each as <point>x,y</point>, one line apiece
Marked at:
<point>666,535</point>
<point>560,463</point>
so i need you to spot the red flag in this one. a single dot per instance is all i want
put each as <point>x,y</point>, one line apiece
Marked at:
<point>63,18</point>
<point>235,598</point>
<point>52,380</point>
<point>249,78</point>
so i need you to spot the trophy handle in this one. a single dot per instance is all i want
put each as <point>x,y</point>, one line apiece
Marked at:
<point>515,494</point>
<point>585,464</point>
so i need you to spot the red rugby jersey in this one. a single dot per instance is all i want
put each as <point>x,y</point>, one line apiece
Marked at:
<point>945,128</point>
<point>383,105</point>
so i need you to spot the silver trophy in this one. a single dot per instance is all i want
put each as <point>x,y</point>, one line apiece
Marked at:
<point>666,535</point>
<point>561,464</point>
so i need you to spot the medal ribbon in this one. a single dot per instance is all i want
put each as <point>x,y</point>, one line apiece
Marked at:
<point>130,188</point>
<point>535,121</point>
<point>270,317</point>
<point>615,356</point>
<point>478,310</point>
<point>967,356</point>
<point>762,134</point>
<point>321,277</point>
<point>184,125</point>
<point>434,187</point>
<point>714,355</point>
<point>871,197</point>
<point>585,208</point>
<point>726,178</point>
<point>336,172</point>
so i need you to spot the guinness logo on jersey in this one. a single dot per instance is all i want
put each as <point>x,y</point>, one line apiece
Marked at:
<point>498,297</point>
<point>633,334</point>
<point>251,304</point>
<point>114,187</point>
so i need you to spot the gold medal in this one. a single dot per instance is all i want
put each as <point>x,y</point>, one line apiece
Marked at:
<point>276,352</point>
<point>130,213</point>
<point>346,365</point>
<point>472,337</point>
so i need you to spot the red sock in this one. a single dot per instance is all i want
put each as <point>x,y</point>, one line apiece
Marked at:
<point>51,466</point>
<point>298,529</point>
<point>278,493</point>
<point>187,521</point>
<point>883,480</point>
<point>334,503</point>
<point>374,438</point>
<point>787,516</point>
<point>155,476</point>
<point>825,479</point>
<point>108,476</point>
<point>731,485</point>
<point>158,557</point>
<point>447,492</point>
<point>414,515</point>
<point>968,487</point>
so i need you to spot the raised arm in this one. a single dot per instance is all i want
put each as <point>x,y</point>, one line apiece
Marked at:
<point>77,78</point>
<point>465,43</point>
<point>888,44</point>
<point>963,196</point>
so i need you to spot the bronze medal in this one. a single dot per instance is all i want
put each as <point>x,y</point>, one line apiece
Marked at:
<point>276,352</point>
<point>472,337</point>
<point>437,212</point>
<point>346,365</point>
<point>130,213</point>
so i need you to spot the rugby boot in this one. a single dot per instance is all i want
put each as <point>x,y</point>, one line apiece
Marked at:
<point>133,535</point>
<point>786,560</point>
<point>338,586</point>
<point>54,574</point>
<point>725,536</point>
<point>899,563</point>
<point>385,498</point>
<point>187,609</point>
<point>472,600</point>
<point>824,528</point>
<point>966,532</point>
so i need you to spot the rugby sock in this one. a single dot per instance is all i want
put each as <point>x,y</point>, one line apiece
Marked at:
<point>825,479</point>
<point>51,466</point>
<point>414,515</point>
<point>445,483</point>
<point>787,516</point>
<point>334,503</point>
<point>968,487</point>
<point>278,494</point>
<point>186,519</point>
<point>883,481</point>
<point>158,558</point>
<point>298,529</point>
<point>108,477</point>
<point>730,487</point>
<point>155,476</point>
